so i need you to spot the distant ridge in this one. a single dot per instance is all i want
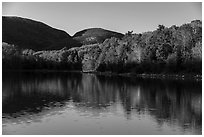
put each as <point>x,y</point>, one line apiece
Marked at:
<point>35,35</point>
<point>95,35</point>
<point>30,34</point>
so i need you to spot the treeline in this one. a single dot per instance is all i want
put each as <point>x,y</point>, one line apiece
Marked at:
<point>15,58</point>
<point>165,50</point>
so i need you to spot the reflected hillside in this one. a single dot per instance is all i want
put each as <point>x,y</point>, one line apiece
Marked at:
<point>166,101</point>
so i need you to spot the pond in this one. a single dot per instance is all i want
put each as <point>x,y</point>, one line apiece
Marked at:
<point>81,103</point>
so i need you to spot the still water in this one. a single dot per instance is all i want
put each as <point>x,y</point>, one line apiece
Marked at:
<point>77,103</point>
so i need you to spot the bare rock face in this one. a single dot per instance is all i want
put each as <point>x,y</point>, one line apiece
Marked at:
<point>89,57</point>
<point>116,53</point>
<point>111,52</point>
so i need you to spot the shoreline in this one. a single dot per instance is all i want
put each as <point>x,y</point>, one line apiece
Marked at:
<point>196,77</point>
<point>180,76</point>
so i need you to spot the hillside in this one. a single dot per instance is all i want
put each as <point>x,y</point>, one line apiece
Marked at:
<point>177,49</point>
<point>95,35</point>
<point>30,34</point>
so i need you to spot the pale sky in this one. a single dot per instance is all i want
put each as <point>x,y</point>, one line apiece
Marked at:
<point>120,17</point>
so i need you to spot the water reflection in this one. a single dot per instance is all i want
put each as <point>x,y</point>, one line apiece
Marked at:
<point>168,102</point>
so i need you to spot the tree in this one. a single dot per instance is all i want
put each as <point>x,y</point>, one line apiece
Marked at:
<point>160,27</point>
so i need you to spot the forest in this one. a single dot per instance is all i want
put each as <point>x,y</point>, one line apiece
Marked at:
<point>175,49</point>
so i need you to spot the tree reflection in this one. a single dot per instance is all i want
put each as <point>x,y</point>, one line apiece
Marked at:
<point>167,101</point>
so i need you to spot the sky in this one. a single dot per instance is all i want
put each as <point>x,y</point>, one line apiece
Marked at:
<point>121,16</point>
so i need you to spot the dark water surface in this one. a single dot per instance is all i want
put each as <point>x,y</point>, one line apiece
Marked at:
<point>76,103</point>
